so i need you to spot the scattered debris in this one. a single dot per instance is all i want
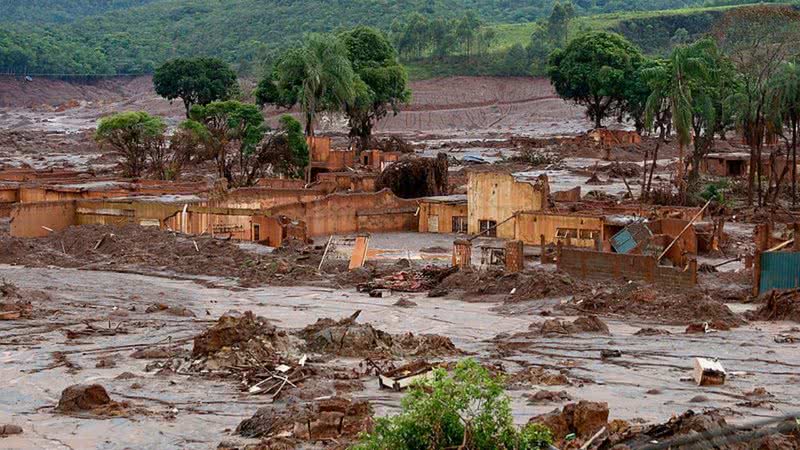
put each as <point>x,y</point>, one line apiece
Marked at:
<point>778,305</point>
<point>404,376</point>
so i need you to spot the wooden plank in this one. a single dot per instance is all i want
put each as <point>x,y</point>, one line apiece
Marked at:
<point>359,256</point>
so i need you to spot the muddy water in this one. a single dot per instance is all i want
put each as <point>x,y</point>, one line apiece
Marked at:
<point>190,412</point>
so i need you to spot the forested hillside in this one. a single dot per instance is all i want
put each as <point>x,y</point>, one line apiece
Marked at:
<point>133,36</point>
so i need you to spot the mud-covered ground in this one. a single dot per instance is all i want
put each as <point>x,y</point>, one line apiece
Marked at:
<point>51,349</point>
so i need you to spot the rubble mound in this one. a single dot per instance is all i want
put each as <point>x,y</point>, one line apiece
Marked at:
<point>778,306</point>
<point>347,338</point>
<point>414,177</point>
<point>89,399</point>
<point>240,340</point>
<point>406,280</point>
<point>649,303</point>
<point>133,246</point>
<point>335,418</point>
<point>588,324</point>
<point>16,303</point>
<point>583,418</point>
<point>689,424</point>
<point>528,285</point>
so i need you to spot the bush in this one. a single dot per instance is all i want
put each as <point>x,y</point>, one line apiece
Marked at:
<point>466,409</point>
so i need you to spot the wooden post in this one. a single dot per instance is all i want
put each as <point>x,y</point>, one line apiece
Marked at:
<point>796,237</point>
<point>462,254</point>
<point>515,257</point>
<point>543,255</point>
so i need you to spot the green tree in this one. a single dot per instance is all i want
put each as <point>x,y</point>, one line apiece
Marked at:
<point>784,114</point>
<point>286,151</point>
<point>234,133</point>
<point>758,40</point>
<point>381,84</point>
<point>318,77</point>
<point>134,135</point>
<point>695,83</point>
<point>196,81</point>
<point>592,71</point>
<point>558,22</point>
<point>468,409</point>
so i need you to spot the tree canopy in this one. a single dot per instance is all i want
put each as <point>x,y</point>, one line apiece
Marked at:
<point>465,409</point>
<point>195,81</point>
<point>234,133</point>
<point>132,134</point>
<point>380,84</point>
<point>317,76</point>
<point>592,70</point>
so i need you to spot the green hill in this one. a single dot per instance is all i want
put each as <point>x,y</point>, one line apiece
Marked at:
<point>133,36</point>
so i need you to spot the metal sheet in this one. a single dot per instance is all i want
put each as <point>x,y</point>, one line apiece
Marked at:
<point>630,237</point>
<point>779,270</point>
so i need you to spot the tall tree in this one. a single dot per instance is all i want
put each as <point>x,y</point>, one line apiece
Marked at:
<point>285,151</point>
<point>694,84</point>
<point>318,77</point>
<point>558,22</point>
<point>234,133</point>
<point>195,81</point>
<point>381,83</point>
<point>758,39</point>
<point>133,135</point>
<point>784,113</point>
<point>592,71</point>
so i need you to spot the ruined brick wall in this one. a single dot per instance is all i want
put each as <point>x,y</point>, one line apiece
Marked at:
<point>532,225</point>
<point>265,198</point>
<point>27,219</point>
<point>498,195</point>
<point>339,213</point>
<point>439,216</point>
<point>604,266</point>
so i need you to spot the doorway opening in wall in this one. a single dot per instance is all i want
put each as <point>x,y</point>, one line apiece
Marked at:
<point>460,224</point>
<point>488,227</point>
<point>256,232</point>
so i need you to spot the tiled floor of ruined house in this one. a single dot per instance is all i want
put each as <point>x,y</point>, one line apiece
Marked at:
<point>208,410</point>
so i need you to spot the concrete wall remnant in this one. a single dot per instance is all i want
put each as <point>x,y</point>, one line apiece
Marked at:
<point>495,196</point>
<point>445,214</point>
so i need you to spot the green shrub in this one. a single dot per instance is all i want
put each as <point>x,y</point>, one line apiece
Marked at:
<point>466,409</point>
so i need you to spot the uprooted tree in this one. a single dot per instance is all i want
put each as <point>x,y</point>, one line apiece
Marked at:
<point>467,409</point>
